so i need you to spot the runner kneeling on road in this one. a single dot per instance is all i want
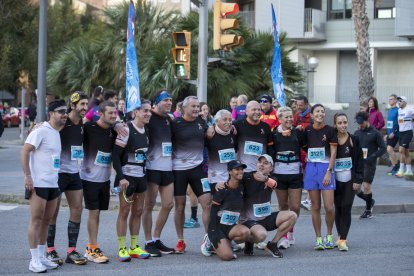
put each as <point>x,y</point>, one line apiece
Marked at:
<point>225,213</point>
<point>257,214</point>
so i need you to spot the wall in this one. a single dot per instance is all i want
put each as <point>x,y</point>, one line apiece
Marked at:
<point>325,77</point>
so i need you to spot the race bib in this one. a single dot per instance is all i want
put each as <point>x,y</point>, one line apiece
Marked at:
<point>205,185</point>
<point>285,156</point>
<point>166,149</point>
<point>56,162</point>
<point>390,124</point>
<point>400,120</point>
<point>262,210</point>
<point>140,155</point>
<point>103,159</point>
<point>227,155</point>
<point>229,218</point>
<point>343,164</point>
<point>316,154</point>
<point>253,148</point>
<point>76,153</point>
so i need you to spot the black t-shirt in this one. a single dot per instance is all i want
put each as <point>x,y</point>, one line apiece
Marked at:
<point>292,143</point>
<point>221,150</point>
<point>188,143</point>
<point>319,142</point>
<point>160,145</point>
<point>229,199</point>
<point>71,138</point>
<point>252,141</point>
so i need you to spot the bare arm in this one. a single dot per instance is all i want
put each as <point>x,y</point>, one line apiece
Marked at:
<point>25,156</point>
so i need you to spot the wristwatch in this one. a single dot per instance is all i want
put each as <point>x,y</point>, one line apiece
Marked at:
<point>329,170</point>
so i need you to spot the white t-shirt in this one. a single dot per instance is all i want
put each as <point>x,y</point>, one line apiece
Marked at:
<point>45,159</point>
<point>405,117</point>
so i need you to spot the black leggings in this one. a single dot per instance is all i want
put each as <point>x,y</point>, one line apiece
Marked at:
<point>344,198</point>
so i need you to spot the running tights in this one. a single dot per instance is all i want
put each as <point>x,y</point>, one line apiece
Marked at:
<point>344,198</point>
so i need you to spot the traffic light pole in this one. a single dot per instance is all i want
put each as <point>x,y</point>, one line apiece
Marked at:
<point>202,51</point>
<point>41,65</point>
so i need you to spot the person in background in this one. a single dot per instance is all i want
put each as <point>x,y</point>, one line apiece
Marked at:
<point>94,113</point>
<point>293,105</point>
<point>205,114</point>
<point>375,116</point>
<point>268,114</point>
<point>232,103</point>
<point>405,124</point>
<point>121,110</point>
<point>391,138</point>
<point>178,110</point>
<point>275,104</point>
<point>32,113</point>
<point>97,97</point>
<point>239,113</point>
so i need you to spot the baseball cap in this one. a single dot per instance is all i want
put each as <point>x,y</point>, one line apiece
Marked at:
<point>267,157</point>
<point>234,164</point>
<point>402,98</point>
<point>266,97</point>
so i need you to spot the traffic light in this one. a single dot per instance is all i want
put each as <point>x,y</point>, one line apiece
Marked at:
<point>181,54</point>
<point>222,40</point>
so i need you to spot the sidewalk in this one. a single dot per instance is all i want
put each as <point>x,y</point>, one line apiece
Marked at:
<point>391,194</point>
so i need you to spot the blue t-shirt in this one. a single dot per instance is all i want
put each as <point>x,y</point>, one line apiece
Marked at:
<point>392,121</point>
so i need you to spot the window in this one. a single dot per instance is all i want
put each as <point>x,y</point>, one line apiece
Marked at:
<point>340,9</point>
<point>384,9</point>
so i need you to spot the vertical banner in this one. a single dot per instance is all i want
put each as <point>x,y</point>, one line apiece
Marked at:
<point>276,69</point>
<point>133,99</point>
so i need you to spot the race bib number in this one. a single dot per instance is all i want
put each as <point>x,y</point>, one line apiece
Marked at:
<point>343,164</point>
<point>140,155</point>
<point>390,124</point>
<point>229,218</point>
<point>56,162</point>
<point>103,159</point>
<point>400,120</point>
<point>227,155</point>
<point>205,185</point>
<point>76,153</point>
<point>253,148</point>
<point>316,154</point>
<point>262,210</point>
<point>166,149</point>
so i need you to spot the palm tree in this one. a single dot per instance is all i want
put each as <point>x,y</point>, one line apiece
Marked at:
<point>361,22</point>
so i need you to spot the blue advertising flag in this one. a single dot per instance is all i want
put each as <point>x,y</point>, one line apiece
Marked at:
<point>133,99</point>
<point>276,69</point>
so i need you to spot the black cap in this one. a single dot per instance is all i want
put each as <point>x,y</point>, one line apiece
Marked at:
<point>235,164</point>
<point>266,97</point>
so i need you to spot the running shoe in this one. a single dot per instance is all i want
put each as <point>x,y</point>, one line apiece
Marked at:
<point>283,243</point>
<point>191,223</point>
<point>291,238</point>
<point>394,170</point>
<point>319,244</point>
<point>206,246</point>
<point>152,249</point>
<point>163,248</point>
<point>54,257</point>
<point>75,258</point>
<point>180,247</point>
<point>260,245</point>
<point>138,253</point>
<point>306,204</point>
<point>400,173</point>
<point>337,241</point>
<point>248,249</point>
<point>328,242</point>
<point>342,246</point>
<point>96,256</point>
<point>123,255</point>
<point>37,267</point>
<point>366,215</point>
<point>48,263</point>
<point>408,174</point>
<point>273,249</point>
<point>237,247</point>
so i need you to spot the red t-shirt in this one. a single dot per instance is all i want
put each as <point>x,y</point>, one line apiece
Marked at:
<point>270,118</point>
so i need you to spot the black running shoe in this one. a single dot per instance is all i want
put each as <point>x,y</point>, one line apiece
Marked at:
<point>75,258</point>
<point>248,248</point>
<point>163,248</point>
<point>366,215</point>
<point>152,249</point>
<point>271,247</point>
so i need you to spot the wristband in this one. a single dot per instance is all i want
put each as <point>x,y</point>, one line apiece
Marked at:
<point>271,183</point>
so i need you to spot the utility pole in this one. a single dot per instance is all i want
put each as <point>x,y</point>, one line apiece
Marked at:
<point>41,64</point>
<point>202,51</point>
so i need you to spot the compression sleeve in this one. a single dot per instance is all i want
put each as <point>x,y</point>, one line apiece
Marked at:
<point>116,160</point>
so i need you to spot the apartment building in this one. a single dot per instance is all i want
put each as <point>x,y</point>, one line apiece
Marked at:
<point>324,29</point>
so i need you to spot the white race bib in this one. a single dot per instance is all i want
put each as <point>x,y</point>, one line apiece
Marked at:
<point>166,149</point>
<point>140,155</point>
<point>205,185</point>
<point>253,148</point>
<point>343,164</point>
<point>76,153</point>
<point>390,124</point>
<point>262,210</point>
<point>103,159</point>
<point>227,155</point>
<point>316,154</point>
<point>56,162</point>
<point>229,218</point>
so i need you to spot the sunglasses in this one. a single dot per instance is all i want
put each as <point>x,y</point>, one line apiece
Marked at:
<point>62,111</point>
<point>264,101</point>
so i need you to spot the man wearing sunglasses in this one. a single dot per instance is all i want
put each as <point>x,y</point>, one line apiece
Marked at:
<point>268,115</point>
<point>405,124</point>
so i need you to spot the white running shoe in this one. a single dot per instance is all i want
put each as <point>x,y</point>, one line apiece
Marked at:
<point>306,204</point>
<point>48,263</point>
<point>260,245</point>
<point>283,243</point>
<point>36,266</point>
<point>291,238</point>
<point>206,246</point>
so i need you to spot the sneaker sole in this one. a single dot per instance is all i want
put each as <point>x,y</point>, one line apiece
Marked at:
<point>167,252</point>
<point>58,262</point>
<point>143,257</point>
<point>37,271</point>
<point>271,253</point>
<point>69,261</point>
<point>124,260</point>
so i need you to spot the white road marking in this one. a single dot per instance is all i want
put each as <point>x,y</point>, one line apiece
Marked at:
<point>7,207</point>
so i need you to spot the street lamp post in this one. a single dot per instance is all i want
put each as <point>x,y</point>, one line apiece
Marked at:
<point>311,64</point>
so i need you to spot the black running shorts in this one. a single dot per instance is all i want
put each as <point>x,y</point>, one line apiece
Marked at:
<point>193,177</point>
<point>289,181</point>
<point>69,182</point>
<point>161,178</point>
<point>269,223</point>
<point>47,194</point>
<point>96,195</point>
<point>405,138</point>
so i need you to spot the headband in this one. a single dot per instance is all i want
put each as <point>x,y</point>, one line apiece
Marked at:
<point>162,96</point>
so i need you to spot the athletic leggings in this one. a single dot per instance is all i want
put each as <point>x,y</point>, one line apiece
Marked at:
<point>344,198</point>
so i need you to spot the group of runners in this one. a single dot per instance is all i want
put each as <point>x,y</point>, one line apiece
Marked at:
<point>152,153</point>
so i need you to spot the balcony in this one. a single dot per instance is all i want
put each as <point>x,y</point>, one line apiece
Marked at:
<point>314,25</point>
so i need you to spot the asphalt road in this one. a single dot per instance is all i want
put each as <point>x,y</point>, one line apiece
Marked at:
<point>380,246</point>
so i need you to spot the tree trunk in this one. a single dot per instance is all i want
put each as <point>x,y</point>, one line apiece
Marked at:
<point>361,22</point>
